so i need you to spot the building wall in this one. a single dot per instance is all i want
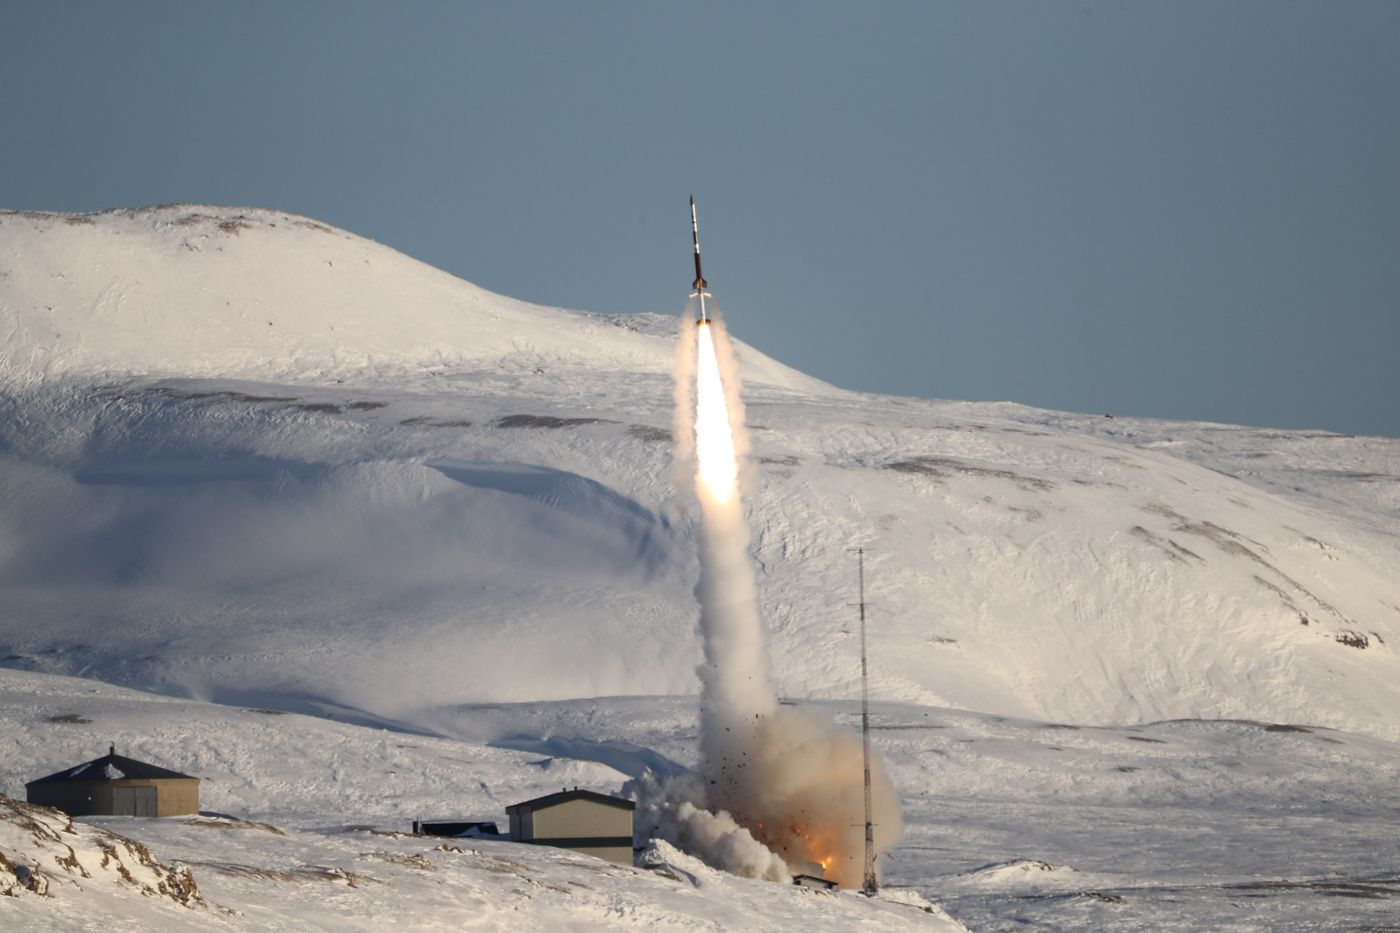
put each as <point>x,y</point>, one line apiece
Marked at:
<point>522,825</point>
<point>174,796</point>
<point>76,798</point>
<point>581,818</point>
<point>576,823</point>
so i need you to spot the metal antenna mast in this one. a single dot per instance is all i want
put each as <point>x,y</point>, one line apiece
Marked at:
<point>872,884</point>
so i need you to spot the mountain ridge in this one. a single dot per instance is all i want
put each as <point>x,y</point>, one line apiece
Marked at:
<point>279,296</point>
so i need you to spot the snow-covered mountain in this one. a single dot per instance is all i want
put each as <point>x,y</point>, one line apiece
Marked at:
<point>262,294</point>
<point>248,457</point>
<point>196,291</point>
<point>251,459</point>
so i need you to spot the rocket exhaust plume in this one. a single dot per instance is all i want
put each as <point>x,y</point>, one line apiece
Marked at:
<point>778,791</point>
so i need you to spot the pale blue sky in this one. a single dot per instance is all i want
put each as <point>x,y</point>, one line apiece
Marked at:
<point>1179,209</point>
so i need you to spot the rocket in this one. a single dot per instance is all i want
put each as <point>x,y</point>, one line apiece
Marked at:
<point>699,283</point>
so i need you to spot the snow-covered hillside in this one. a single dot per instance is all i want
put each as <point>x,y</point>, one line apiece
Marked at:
<point>202,291</point>
<point>1183,825</point>
<point>250,458</point>
<point>291,861</point>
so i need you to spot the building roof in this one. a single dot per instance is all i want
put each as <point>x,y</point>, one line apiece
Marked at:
<point>552,800</point>
<point>111,767</point>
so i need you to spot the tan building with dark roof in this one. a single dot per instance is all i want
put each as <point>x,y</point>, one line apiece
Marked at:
<point>581,820</point>
<point>115,785</point>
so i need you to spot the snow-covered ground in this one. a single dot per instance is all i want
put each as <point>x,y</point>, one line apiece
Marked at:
<point>1185,825</point>
<point>249,459</point>
<point>322,814</point>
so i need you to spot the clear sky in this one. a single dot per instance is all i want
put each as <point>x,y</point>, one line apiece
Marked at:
<point>1178,209</point>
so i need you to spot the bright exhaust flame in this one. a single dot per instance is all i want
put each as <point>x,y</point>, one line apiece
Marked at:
<point>716,467</point>
<point>778,789</point>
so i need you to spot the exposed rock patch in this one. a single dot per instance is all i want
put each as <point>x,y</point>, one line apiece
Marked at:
<point>946,467</point>
<point>38,844</point>
<point>545,421</point>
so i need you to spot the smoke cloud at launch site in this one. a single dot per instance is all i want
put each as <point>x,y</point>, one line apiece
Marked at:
<point>778,790</point>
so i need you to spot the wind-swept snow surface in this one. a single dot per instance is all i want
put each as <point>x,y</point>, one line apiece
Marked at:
<point>249,458</point>
<point>1191,825</point>
<point>404,492</point>
<point>319,841</point>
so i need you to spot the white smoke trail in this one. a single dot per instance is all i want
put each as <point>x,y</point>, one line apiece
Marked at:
<point>735,694</point>
<point>683,417</point>
<point>778,789</point>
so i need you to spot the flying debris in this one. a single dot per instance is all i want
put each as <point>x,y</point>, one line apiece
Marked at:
<point>699,284</point>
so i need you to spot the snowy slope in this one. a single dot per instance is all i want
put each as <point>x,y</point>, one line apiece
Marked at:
<point>1191,825</point>
<point>190,290</point>
<point>455,498</point>
<point>271,852</point>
